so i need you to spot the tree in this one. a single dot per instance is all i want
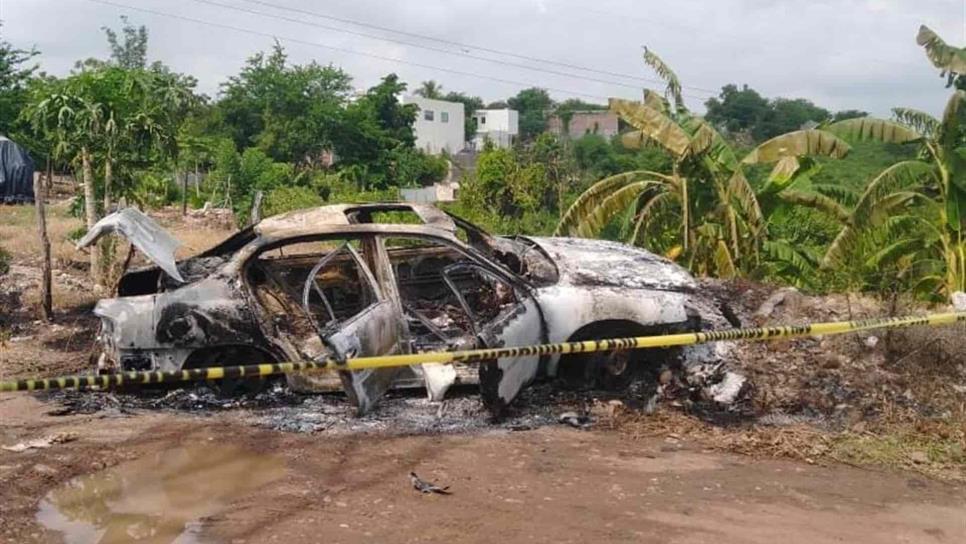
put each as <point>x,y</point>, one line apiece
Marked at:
<point>430,89</point>
<point>736,110</point>
<point>470,105</point>
<point>132,51</point>
<point>911,217</point>
<point>704,208</point>
<point>848,114</point>
<point>532,104</point>
<point>910,221</point>
<point>375,129</point>
<point>291,112</point>
<point>744,110</point>
<point>950,60</point>
<point>15,75</point>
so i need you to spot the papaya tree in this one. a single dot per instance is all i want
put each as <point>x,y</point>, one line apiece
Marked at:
<point>704,210</point>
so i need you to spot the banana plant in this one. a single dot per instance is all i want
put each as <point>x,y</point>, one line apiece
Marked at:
<point>704,210</point>
<point>913,214</point>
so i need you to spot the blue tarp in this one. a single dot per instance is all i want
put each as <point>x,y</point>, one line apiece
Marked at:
<point>16,173</point>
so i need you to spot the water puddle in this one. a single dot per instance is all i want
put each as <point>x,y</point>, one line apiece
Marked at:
<point>159,499</point>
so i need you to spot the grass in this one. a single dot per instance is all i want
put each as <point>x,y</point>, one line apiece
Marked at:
<point>935,448</point>
<point>18,230</point>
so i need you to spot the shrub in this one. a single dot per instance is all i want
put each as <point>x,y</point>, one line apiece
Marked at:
<point>283,199</point>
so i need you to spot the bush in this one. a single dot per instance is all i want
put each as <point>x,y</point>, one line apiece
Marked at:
<point>283,199</point>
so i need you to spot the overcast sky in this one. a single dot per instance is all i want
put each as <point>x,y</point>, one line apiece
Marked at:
<point>841,54</point>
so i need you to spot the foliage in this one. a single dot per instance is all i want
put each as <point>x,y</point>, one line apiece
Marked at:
<point>15,76</point>
<point>511,191</point>
<point>745,111</point>
<point>291,112</point>
<point>470,105</point>
<point>287,198</point>
<point>132,52</point>
<point>950,60</point>
<point>703,207</point>
<point>375,127</point>
<point>429,89</point>
<point>532,105</point>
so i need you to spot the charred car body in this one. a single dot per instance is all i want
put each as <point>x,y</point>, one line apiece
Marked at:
<point>359,280</point>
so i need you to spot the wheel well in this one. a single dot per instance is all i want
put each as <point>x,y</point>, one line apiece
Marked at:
<point>576,369</point>
<point>228,356</point>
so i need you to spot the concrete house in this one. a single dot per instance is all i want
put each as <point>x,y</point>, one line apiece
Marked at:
<point>499,126</point>
<point>439,125</point>
<point>604,123</point>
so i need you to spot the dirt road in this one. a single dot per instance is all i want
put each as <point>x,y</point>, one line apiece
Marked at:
<point>161,476</point>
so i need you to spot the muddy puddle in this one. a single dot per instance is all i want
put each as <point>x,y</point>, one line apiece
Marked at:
<point>160,499</point>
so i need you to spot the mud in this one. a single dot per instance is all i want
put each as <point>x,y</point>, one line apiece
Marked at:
<point>553,484</point>
<point>159,498</point>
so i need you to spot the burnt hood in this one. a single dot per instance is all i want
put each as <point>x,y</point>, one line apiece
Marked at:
<point>151,240</point>
<point>582,261</point>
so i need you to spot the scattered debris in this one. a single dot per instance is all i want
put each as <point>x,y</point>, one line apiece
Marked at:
<point>426,487</point>
<point>575,420</point>
<point>42,443</point>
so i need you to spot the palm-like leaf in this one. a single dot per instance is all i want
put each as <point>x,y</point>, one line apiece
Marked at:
<point>667,74</point>
<point>870,128</point>
<point>583,215</point>
<point>950,60</point>
<point>653,125</point>
<point>920,121</point>
<point>817,201</point>
<point>798,144</point>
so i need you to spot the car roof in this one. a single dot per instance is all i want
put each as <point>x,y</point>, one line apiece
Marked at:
<point>324,218</point>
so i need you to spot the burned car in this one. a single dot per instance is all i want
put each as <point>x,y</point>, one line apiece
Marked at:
<point>344,281</point>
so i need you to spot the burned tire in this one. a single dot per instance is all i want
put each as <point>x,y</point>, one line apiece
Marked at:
<point>611,370</point>
<point>231,356</point>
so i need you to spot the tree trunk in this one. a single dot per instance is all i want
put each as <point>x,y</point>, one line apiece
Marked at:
<point>184,192</point>
<point>108,178</point>
<point>50,178</point>
<point>46,300</point>
<point>90,211</point>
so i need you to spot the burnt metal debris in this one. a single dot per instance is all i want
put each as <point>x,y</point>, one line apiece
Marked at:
<point>362,280</point>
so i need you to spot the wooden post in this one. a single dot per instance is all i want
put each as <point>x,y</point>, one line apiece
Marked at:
<point>256,214</point>
<point>184,191</point>
<point>46,299</point>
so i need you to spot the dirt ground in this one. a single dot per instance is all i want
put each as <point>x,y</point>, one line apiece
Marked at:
<point>854,439</point>
<point>552,484</point>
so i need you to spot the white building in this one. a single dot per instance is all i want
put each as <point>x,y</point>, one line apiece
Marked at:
<point>439,125</point>
<point>499,126</point>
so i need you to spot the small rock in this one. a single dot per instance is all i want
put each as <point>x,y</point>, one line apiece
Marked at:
<point>919,457</point>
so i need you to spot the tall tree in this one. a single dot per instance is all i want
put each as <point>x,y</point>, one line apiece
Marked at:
<point>429,89</point>
<point>16,71</point>
<point>292,112</point>
<point>533,105</point>
<point>131,49</point>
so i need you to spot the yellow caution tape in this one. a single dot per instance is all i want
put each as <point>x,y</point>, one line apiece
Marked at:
<point>478,355</point>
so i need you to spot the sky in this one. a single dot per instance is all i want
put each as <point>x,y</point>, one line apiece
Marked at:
<point>841,54</point>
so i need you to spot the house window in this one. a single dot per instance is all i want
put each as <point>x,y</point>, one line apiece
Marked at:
<point>428,115</point>
<point>482,120</point>
<point>444,117</point>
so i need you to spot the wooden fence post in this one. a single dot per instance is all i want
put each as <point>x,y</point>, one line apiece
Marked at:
<point>46,299</point>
